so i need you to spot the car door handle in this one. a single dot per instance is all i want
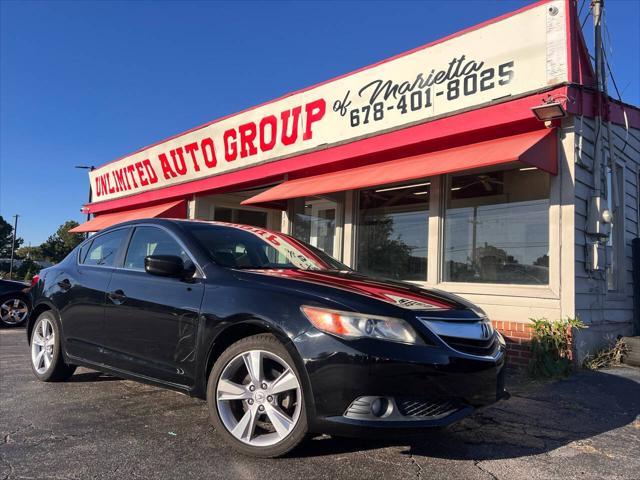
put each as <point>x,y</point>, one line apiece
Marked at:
<point>64,284</point>
<point>118,297</point>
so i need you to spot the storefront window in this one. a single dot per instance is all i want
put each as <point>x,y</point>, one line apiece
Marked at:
<point>237,215</point>
<point>497,228</point>
<point>315,220</point>
<point>393,230</point>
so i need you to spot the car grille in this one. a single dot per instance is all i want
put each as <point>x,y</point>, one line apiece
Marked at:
<point>472,346</point>
<point>411,407</point>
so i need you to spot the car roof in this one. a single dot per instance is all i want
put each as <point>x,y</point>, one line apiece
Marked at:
<point>178,221</point>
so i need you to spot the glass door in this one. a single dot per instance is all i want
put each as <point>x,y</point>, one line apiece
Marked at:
<point>323,225</point>
<point>316,221</point>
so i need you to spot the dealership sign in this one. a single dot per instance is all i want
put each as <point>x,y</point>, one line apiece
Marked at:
<point>513,56</point>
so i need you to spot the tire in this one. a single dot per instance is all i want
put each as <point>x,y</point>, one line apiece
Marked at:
<point>243,412</point>
<point>48,366</point>
<point>14,310</point>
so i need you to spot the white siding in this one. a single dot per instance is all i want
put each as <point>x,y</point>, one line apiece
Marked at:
<point>608,314</point>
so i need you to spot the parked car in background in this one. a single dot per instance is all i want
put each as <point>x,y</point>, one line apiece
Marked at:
<point>15,303</point>
<point>279,338</point>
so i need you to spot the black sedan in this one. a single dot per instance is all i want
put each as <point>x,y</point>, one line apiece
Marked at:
<point>279,338</point>
<point>14,303</point>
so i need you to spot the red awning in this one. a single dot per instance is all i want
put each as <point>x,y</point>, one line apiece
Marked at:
<point>165,210</point>
<point>536,148</point>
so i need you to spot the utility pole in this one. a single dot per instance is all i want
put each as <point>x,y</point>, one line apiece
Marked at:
<point>13,245</point>
<point>610,210</point>
<point>600,72</point>
<point>595,217</point>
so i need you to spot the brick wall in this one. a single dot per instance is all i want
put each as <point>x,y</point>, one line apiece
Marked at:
<point>518,338</point>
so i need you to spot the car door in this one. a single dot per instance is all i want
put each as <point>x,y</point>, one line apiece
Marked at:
<point>151,321</point>
<point>80,293</point>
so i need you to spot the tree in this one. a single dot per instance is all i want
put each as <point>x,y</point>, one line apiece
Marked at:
<point>379,253</point>
<point>29,253</point>
<point>61,243</point>
<point>6,234</point>
<point>27,270</point>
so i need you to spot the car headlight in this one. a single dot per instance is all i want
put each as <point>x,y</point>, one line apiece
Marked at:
<point>351,325</point>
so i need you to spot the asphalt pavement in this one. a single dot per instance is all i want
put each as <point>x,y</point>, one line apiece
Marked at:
<point>101,427</point>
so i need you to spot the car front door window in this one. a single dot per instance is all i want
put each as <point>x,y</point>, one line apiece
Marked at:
<point>151,241</point>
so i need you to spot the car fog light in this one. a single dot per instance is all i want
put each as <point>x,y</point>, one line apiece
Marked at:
<point>379,406</point>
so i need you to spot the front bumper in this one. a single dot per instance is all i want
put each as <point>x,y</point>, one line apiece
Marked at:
<point>341,371</point>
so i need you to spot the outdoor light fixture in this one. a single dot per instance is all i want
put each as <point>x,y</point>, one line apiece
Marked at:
<point>403,187</point>
<point>549,110</point>
<point>525,169</point>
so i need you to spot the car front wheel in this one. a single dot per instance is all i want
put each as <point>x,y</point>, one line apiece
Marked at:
<point>255,397</point>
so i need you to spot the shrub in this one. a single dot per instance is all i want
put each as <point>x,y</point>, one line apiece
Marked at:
<point>551,347</point>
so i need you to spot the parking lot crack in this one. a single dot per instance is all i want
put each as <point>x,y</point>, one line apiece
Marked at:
<point>416,464</point>
<point>9,474</point>
<point>477,464</point>
<point>7,438</point>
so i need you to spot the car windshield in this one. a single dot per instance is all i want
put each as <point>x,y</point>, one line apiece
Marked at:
<point>246,247</point>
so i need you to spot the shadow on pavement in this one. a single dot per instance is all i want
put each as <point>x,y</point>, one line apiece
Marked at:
<point>530,423</point>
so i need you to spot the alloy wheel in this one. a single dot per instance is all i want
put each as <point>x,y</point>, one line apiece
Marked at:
<point>42,345</point>
<point>258,398</point>
<point>14,311</point>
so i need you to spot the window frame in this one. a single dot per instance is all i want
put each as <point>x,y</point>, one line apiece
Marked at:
<point>119,256</point>
<point>443,209</point>
<point>352,212</point>
<point>199,271</point>
<point>618,228</point>
<point>548,291</point>
<point>560,200</point>
<point>341,216</point>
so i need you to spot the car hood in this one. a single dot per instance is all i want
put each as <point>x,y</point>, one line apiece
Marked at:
<point>400,294</point>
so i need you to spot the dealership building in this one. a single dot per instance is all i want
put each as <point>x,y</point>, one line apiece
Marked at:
<point>485,164</point>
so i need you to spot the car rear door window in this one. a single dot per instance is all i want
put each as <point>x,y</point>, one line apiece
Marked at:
<point>151,241</point>
<point>104,249</point>
<point>83,251</point>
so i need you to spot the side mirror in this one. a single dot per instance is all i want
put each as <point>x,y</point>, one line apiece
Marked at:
<point>164,266</point>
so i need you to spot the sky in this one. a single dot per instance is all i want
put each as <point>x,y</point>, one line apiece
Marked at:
<point>83,83</point>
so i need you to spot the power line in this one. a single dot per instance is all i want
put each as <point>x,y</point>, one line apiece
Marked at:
<point>615,86</point>
<point>582,4</point>
<point>584,20</point>
<point>605,55</point>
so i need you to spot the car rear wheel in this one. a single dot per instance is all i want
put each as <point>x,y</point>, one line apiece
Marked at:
<point>46,356</point>
<point>255,397</point>
<point>14,310</point>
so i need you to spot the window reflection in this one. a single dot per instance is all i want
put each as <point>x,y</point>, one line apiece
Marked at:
<point>315,221</point>
<point>239,215</point>
<point>393,228</point>
<point>497,228</point>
